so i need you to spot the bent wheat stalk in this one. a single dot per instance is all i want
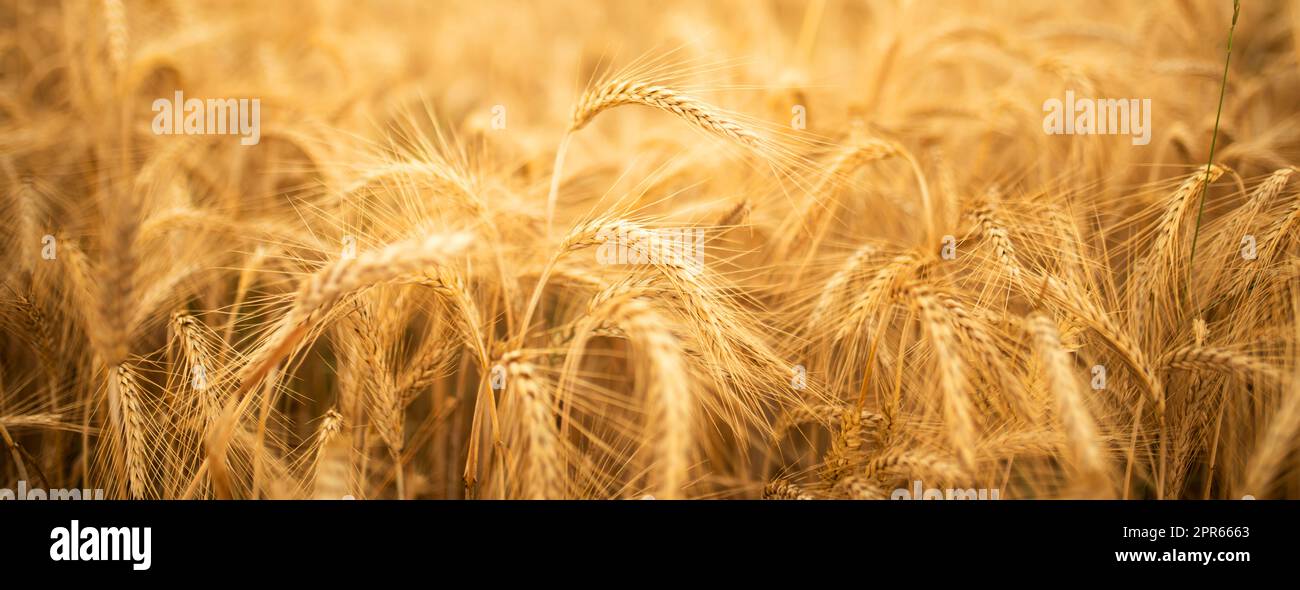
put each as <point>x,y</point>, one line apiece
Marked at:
<point>698,113</point>
<point>621,91</point>
<point>662,370</point>
<point>318,294</point>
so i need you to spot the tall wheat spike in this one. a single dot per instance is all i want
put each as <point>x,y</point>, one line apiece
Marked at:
<point>1071,408</point>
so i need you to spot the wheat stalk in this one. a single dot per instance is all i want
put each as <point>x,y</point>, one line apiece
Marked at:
<point>1080,428</point>
<point>914,463</point>
<point>995,230</point>
<point>837,283</point>
<point>958,412</point>
<point>129,419</point>
<point>1209,358</point>
<point>201,375</point>
<point>542,474</point>
<point>784,490</point>
<point>701,115</point>
<point>324,288</point>
<point>1153,270</point>
<point>669,400</point>
<point>331,461</point>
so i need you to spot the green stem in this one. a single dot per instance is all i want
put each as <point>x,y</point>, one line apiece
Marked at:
<point>1205,187</point>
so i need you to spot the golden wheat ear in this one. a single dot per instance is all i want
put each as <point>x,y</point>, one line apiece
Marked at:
<point>331,464</point>
<point>542,473</point>
<point>695,112</point>
<point>624,90</point>
<point>321,291</point>
<point>1081,431</point>
<point>127,413</point>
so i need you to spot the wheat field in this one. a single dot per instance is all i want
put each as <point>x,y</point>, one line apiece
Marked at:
<point>679,250</point>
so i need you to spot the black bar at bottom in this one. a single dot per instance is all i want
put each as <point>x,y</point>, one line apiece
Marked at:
<point>217,540</point>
